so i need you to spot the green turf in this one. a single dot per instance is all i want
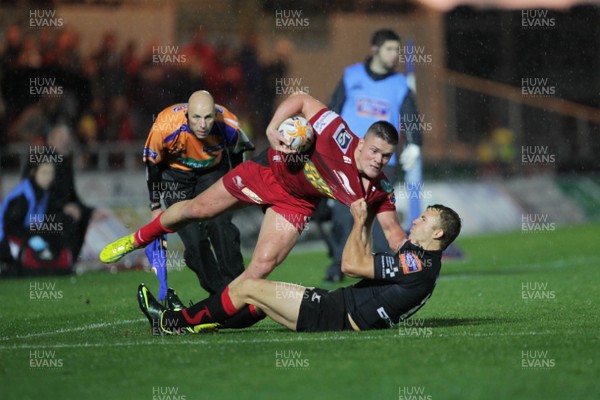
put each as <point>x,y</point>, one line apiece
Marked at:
<point>466,343</point>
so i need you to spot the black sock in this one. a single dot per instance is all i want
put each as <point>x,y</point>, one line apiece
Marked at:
<point>246,317</point>
<point>206,311</point>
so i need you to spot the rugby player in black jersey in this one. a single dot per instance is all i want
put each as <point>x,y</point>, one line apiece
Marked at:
<point>394,286</point>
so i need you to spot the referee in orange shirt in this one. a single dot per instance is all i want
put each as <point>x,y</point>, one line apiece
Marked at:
<point>189,147</point>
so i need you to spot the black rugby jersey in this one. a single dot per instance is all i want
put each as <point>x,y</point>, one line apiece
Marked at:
<point>402,283</point>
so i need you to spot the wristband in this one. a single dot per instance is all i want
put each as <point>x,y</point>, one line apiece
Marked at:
<point>154,206</point>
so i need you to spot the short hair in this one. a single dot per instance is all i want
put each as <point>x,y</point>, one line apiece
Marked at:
<point>450,223</point>
<point>384,130</point>
<point>383,35</point>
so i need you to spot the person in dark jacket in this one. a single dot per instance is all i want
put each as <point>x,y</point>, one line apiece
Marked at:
<point>32,239</point>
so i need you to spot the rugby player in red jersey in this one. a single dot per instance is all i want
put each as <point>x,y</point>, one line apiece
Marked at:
<point>288,186</point>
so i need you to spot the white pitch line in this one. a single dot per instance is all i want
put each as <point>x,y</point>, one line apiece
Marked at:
<point>76,329</point>
<point>174,341</point>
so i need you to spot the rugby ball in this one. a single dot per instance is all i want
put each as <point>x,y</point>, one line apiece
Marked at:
<point>298,132</point>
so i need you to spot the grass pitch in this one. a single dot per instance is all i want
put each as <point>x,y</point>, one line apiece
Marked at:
<point>518,319</point>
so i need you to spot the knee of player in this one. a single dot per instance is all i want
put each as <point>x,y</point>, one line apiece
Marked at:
<point>245,289</point>
<point>195,210</point>
<point>247,286</point>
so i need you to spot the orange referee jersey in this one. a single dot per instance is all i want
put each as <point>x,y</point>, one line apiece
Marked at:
<point>171,141</point>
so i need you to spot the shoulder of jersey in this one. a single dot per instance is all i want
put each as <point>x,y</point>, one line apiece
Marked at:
<point>324,120</point>
<point>170,119</point>
<point>178,107</point>
<point>355,66</point>
<point>226,116</point>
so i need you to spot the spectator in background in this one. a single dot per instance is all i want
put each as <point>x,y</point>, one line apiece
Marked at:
<point>34,123</point>
<point>130,58</point>
<point>201,55</point>
<point>250,64</point>
<point>8,59</point>
<point>31,240</point>
<point>65,53</point>
<point>67,68</point>
<point>275,69</point>
<point>88,131</point>
<point>496,153</point>
<point>110,69</point>
<point>132,64</point>
<point>12,48</point>
<point>46,43</point>
<point>150,90</point>
<point>64,200</point>
<point>113,93</point>
<point>43,80</point>
<point>232,83</point>
<point>11,75</point>
<point>30,55</point>
<point>117,124</point>
<point>252,77</point>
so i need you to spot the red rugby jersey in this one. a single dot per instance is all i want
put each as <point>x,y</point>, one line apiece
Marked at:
<point>328,169</point>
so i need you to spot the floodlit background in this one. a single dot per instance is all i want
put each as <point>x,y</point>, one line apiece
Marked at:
<point>508,94</point>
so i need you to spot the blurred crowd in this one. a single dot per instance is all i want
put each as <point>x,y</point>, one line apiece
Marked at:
<point>496,152</point>
<point>113,93</point>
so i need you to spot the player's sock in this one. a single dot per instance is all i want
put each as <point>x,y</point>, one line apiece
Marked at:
<point>216,308</point>
<point>153,230</point>
<point>246,317</point>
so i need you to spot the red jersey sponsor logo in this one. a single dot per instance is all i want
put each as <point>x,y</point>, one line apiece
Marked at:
<point>342,138</point>
<point>324,120</point>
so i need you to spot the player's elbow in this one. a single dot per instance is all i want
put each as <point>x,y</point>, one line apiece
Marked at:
<point>304,99</point>
<point>300,95</point>
<point>357,265</point>
<point>350,268</point>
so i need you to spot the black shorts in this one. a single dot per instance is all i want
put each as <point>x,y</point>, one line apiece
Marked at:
<point>322,310</point>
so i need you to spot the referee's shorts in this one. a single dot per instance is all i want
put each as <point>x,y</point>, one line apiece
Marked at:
<point>322,310</point>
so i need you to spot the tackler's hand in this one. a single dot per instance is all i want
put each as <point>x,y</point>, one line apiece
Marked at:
<point>358,209</point>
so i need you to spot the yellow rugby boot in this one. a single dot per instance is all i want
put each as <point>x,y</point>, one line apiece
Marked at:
<point>118,249</point>
<point>211,327</point>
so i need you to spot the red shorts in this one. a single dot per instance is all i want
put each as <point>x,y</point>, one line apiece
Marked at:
<point>254,183</point>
